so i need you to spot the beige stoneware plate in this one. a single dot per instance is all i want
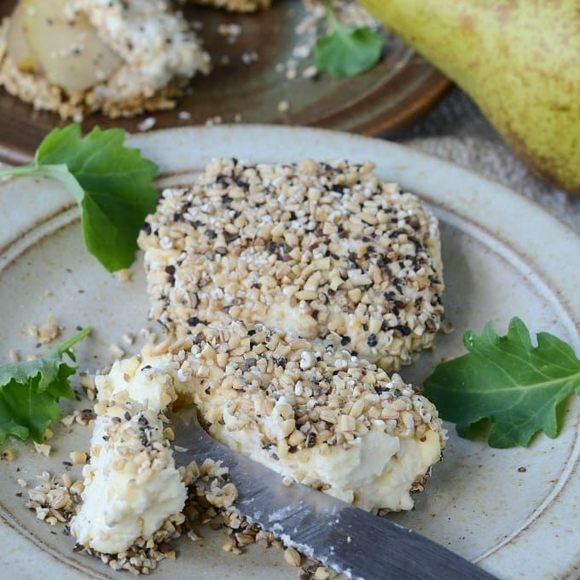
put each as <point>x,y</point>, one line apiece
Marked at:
<point>514,512</point>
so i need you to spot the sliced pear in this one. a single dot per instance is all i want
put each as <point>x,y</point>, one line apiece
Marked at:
<point>17,44</point>
<point>71,54</point>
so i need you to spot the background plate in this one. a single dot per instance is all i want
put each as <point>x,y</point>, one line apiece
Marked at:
<point>387,98</point>
<point>515,512</point>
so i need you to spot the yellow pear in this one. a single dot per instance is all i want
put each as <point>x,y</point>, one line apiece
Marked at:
<point>519,60</point>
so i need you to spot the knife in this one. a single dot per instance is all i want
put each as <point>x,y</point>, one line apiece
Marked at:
<point>347,539</point>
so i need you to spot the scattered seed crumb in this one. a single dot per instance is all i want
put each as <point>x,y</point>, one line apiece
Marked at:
<point>184,115</point>
<point>446,326</point>
<point>116,351</point>
<point>85,417</point>
<point>147,124</point>
<point>88,384</point>
<point>45,333</point>
<point>310,72</point>
<point>231,32</point>
<point>522,469</point>
<point>43,449</point>
<point>129,338</point>
<point>48,435</point>
<point>8,455</point>
<point>78,457</point>
<point>301,51</point>
<point>124,275</point>
<point>22,483</point>
<point>283,106</point>
<point>77,487</point>
<point>322,573</point>
<point>212,121</point>
<point>66,480</point>
<point>52,500</point>
<point>293,557</point>
<point>68,420</point>
<point>249,57</point>
<point>13,356</point>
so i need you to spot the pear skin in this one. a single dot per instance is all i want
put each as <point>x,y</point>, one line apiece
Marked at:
<point>519,60</point>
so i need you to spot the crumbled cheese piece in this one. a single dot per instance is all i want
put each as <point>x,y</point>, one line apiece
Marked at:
<point>160,53</point>
<point>132,485</point>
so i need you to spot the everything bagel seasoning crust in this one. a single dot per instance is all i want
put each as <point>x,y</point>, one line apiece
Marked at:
<point>290,295</point>
<point>314,413</point>
<point>315,250</point>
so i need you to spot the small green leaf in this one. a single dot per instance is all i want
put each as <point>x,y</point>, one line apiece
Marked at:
<point>347,51</point>
<point>115,186</point>
<point>30,391</point>
<point>506,382</point>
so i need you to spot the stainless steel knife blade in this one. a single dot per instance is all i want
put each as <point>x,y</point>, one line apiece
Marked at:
<point>342,537</point>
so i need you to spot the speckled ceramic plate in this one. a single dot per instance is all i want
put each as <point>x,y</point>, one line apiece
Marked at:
<point>387,98</point>
<point>512,511</point>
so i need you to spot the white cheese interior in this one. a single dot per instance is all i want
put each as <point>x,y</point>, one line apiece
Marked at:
<point>131,484</point>
<point>148,382</point>
<point>376,472</point>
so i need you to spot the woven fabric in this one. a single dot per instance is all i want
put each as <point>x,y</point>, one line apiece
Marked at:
<point>456,131</point>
